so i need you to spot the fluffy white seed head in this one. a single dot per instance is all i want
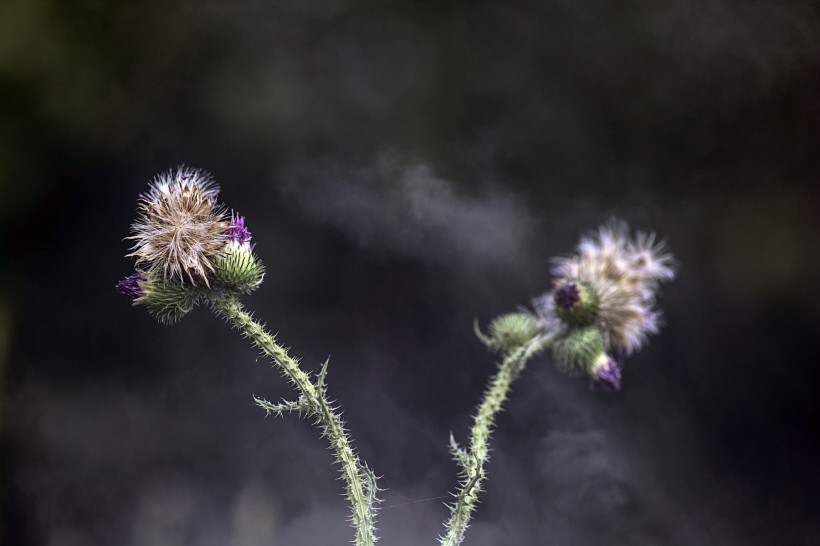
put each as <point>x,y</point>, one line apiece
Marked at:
<point>180,227</point>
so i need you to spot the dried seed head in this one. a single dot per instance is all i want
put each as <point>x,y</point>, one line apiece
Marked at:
<point>180,228</point>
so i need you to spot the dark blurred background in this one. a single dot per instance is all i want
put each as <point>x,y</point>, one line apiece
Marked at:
<point>407,167</point>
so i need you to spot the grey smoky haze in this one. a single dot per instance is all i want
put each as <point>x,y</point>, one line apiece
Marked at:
<point>406,168</point>
<point>404,208</point>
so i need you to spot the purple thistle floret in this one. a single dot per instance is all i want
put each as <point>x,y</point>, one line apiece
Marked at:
<point>567,295</point>
<point>609,377</point>
<point>130,287</point>
<point>237,232</point>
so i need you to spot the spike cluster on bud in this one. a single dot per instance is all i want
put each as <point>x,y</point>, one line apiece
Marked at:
<point>185,245</point>
<point>576,352</point>
<point>166,301</point>
<point>583,352</point>
<point>508,332</point>
<point>238,269</point>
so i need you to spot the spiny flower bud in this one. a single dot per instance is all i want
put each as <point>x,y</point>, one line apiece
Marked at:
<point>576,303</point>
<point>582,351</point>
<point>577,352</point>
<point>237,268</point>
<point>510,331</point>
<point>167,301</point>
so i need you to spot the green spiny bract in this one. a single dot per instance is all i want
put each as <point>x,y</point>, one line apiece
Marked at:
<point>510,331</point>
<point>237,268</point>
<point>577,352</point>
<point>166,300</point>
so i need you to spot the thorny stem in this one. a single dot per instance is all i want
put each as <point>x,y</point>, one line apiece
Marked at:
<point>472,461</point>
<point>359,479</point>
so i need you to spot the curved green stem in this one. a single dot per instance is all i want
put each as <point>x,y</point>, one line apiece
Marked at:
<point>472,461</point>
<point>360,481</point>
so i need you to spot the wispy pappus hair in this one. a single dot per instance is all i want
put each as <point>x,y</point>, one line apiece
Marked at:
<point>180,227</point>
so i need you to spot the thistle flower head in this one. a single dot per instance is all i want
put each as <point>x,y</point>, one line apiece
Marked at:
<point>186,246</point>
<point>623,274</point>
<point>180,226</point>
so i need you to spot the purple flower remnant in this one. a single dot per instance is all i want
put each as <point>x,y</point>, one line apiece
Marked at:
<point>609,376</point>
<point>567,295</point>
<point>237,232</point>
<point>130,287</point>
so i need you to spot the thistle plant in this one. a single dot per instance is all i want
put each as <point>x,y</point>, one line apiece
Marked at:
<point>190,250</point>
<point>601,309</point>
